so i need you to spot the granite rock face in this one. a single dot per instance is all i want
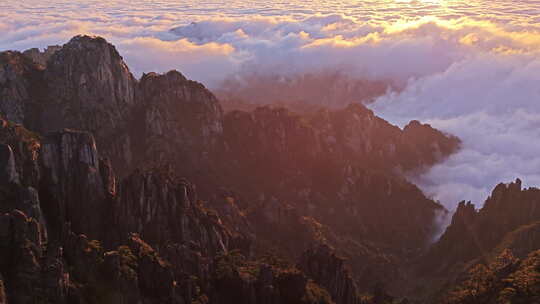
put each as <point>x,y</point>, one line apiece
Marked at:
<point>90,88</point>
<point>482,255</point>
<point>9,173</point>
<point>86,85</point>
<point>49,234</point>
<point>181,119</point>
<point>117,190</point>
<point>21,250</point>
<point>162,209</point>
<point>42,57</point>
<point>58,265</point>
<point>17,74</point>
<point>321,264</point>
<point>72,186</point>
<point>337,167</point>
<point>83,85</point>
<point>508,215</point>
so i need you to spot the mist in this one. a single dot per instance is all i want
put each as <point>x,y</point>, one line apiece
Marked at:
<point>491,103</point>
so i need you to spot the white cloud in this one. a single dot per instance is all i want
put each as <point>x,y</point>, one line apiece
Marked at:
<point>493,104</point>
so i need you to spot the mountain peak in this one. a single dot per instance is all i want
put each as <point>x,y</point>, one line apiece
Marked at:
<point>87,40</point>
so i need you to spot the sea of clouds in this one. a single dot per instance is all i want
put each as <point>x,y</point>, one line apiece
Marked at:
<point>471,69</point>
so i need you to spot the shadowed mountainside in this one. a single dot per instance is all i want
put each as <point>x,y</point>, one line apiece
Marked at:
<point>118,190</point>
<point>488,255</point>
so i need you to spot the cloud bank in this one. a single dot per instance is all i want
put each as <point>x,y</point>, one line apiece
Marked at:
<point>470,69</point>
<point>492,102</point>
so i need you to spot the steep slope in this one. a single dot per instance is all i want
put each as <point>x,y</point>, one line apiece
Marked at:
<point>90,88</point>
<point>475,233</point>
<point>482,257</point>
<point>178,121</point>
<point>334,165</point>
<point>506,279</point>
<point>338,167</point>
<point>327,269</point>
<point>56,256</point>
<point>333,177</point>
<point>20,86</point>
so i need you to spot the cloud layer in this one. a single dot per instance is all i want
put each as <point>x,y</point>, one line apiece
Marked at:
<point>492,102</point>
<point>469,68</point>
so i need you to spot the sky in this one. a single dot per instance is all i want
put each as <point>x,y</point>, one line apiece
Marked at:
<point>470,68</point>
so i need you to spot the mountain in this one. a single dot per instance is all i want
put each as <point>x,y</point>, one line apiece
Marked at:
<point>488,255</point>
<point>122,190</point>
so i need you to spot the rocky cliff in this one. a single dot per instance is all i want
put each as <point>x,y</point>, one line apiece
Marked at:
<point>54,256</point>
<point>19,85</point>
<point>339,168</point>
<point>486,255</point>
<point>507,216</point>
<point>328,270</point>
<point>118,190</point>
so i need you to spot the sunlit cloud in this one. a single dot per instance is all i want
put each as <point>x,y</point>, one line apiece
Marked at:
<point>199,61</point>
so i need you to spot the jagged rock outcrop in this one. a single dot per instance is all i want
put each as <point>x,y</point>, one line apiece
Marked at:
<point>86,85</point>
<point>47,183</point>
<point>18,77</point>
<point>20,251</point>
<point>90,85</point>
<point>72,188</point>
<point>236,220</point>
<point>90,88</point>
<point>423,146</point>
<point>461,230</point>
<point>71,268</point>
<point>164,210</point>
<point>59,172</point>
<point>155,275</point>
<point>76,186</point>
<point>273,219</point>
<point>352,135</point>
<point>39,57</point>
<point>132,273</point>
<point>332,177</point>
<point>31,268</point>
<point>465,263</point>
<point>8,173</point>
<point>508,212</point>
<point>321,263</point>
<point>25,146</point>
<point>180,120</point>
<point>63,266</point>
<point>337,166</point>
<point>20,173</point>
<point>356,134</point>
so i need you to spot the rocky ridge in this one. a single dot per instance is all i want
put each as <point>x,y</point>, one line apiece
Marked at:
<point>55,255</point>
<point>487,255</point>
<point>105,151</point>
